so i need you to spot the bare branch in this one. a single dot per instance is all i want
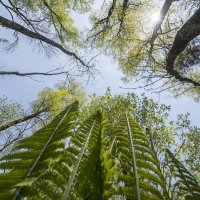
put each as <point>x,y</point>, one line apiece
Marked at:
<point>17,27</point>
<point>16,73</point>
<point>23,119</point>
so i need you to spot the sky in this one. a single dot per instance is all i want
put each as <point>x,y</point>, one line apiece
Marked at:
<point>27,59</point>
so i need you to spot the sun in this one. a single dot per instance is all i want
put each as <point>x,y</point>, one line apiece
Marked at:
<point>155,17</point>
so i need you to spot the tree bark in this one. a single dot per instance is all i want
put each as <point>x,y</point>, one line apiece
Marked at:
<point>189,31</point>
<point>23,119</point>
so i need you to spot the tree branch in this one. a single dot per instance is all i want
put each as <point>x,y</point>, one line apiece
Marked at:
<point>123,13</point>
<point>17,27</point>
<point>31,73</point>
<point>23,119</point>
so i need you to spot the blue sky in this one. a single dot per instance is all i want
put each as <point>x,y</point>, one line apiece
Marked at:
<point>26,59</point>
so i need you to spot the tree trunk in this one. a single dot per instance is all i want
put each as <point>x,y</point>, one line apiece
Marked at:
<point>162,14</point>
<point>189,31</point>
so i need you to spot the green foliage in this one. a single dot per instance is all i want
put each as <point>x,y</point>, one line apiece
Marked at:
<point>153,118</point>
<point>149,114</point>
<point>86,140</point>
<point>9,111</point>
<point>191,150</point>
<point>49,103</point>
<point>55,100</point>
<point>123,30</point>
<point>138,167</point>
<point>56,15</point>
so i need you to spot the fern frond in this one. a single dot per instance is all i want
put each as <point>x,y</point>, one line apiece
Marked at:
<point>70,160</point>
<point>187,183</point>
<point>108,163</point>
<point>32,155</point>
<point>90,132</point>
<point>139,171</point>
<point>133,159</point>
<point>74,175</point>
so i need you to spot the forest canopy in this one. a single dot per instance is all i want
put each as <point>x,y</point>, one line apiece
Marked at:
<point>67,144</point>
<point>151,40</point>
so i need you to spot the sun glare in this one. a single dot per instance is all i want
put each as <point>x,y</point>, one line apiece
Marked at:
<point>155,17</point>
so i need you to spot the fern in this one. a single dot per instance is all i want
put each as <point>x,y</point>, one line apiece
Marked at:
<point>133,159</point>
<point>73,169</point>
<point>109,168</point>
<point>166,193</point>
<point>70,160</point>
<point>188,186</point>
<point>90,133</point>
<point>138,171</point>
<point>32,155</point>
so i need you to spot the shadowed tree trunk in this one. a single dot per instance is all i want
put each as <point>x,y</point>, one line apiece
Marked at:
<point>189,31</point>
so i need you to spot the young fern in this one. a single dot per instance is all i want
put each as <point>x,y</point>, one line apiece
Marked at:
<point>133,159</point>
<point>33,154</point>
